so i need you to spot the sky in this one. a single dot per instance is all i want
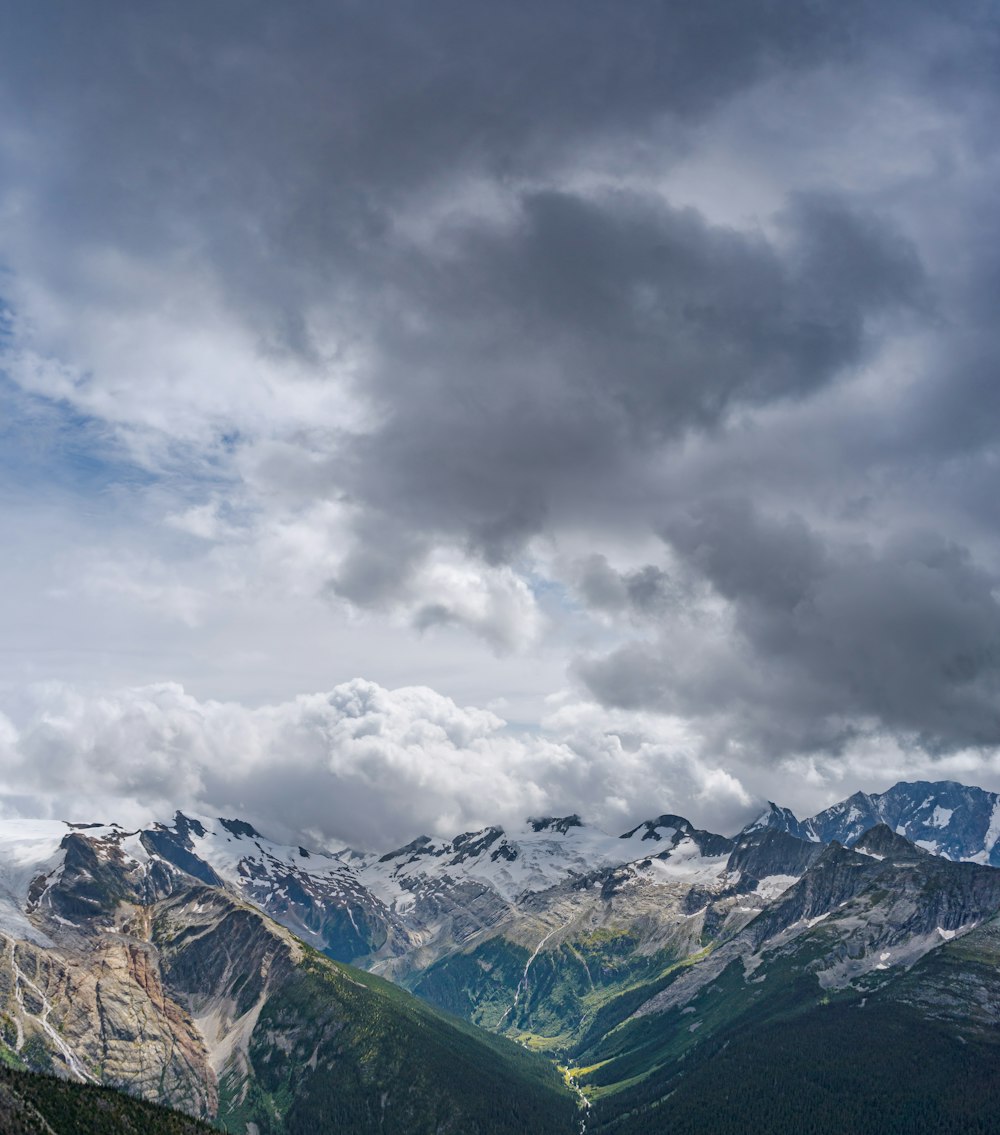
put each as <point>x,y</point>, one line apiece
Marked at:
<point>427,414</point>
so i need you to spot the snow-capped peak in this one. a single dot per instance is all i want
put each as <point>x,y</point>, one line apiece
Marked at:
<point>560,824</point>
<point>539,854</point>
<point>956,821</point>
<point>662,828</point>
<point>783,820</point>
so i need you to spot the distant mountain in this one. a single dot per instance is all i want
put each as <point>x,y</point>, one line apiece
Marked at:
<point>946,818</point>
<point>154,960</point>
<point>955,820</point>
<point>778,819</point>
<point>541,854</point>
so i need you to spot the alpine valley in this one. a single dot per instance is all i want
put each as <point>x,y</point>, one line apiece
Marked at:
<point>838,973</point>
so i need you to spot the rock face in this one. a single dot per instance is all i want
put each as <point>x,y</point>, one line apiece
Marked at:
<point>102,1016</point>
<point>87,997</point>
<point>766,851</point>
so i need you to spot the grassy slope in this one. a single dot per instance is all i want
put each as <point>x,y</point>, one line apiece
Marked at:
<point>565,996</point>
<point>340,1049</point>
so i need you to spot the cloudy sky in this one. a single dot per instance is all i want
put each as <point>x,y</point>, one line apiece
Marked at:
<point>427,413</point>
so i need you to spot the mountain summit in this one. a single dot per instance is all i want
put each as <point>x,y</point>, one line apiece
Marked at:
<point>958,821</point>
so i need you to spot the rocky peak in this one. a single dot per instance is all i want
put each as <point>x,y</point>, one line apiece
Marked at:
<point>663,827</point>
<point>176,849</point>
<point>99,872</point>
<point>836,876</point>
<point>782,820</point>
<point>419,846</point>
<point>561,824</point>
<point>882,842</point>
<point>184,826</point>
<point>239,828</point>
<point>956,821</point>
<point>848,820</point>
<point>471,844</point>
<point>764,851</point>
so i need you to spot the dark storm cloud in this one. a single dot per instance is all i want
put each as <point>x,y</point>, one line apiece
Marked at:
<point>276,142</point>
<point>523,366</point>
<point>829,638</point>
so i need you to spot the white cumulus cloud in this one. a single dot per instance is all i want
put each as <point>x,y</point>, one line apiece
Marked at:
<point>359,763</point>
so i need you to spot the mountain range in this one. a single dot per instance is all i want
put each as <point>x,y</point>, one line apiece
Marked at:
<point>199,964</point>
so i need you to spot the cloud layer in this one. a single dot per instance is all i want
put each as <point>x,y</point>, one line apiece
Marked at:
<point>641,357</point>
<point>359,764</point>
